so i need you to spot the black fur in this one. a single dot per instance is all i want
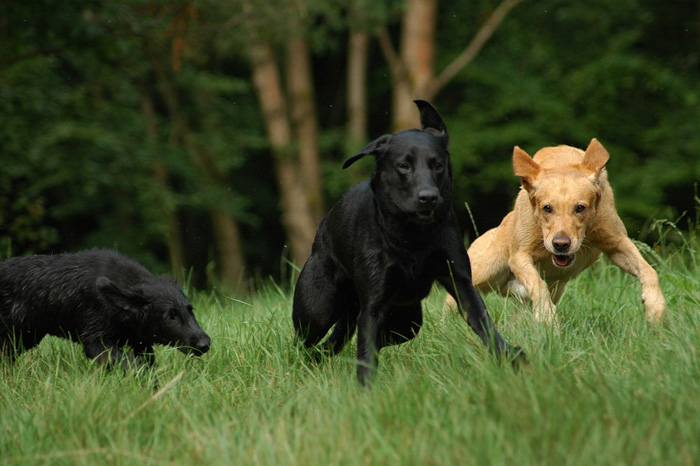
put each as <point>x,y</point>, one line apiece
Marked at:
<point>379,250</point>
<point>102,299</point>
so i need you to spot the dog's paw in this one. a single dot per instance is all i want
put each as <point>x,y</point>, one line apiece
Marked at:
<point>654,310</point>
<point>546,312</point>
<point>515,355</point>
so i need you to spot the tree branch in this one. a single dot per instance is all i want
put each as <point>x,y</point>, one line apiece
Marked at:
<point>472,49</point>
<point>398,69</point>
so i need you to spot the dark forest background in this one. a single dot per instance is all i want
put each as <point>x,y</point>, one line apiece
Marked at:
<point>208,136</point>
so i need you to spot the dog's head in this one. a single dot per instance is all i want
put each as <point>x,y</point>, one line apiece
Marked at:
<point>412,173</point>
<point>564,190</point>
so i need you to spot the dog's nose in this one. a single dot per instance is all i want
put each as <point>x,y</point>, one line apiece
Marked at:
<point>561,243</point>
<point>200,344</point>
<point>428,196</point>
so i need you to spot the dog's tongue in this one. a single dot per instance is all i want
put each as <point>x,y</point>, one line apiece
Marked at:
<point>562,261</point>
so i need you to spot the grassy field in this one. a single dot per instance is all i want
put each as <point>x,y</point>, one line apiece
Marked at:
<point>605,389</point>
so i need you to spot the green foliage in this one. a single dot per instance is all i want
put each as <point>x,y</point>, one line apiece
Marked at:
<point>78,159</point>
<point>607,388</point>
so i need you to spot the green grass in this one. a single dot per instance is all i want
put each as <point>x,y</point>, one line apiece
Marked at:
<point>606,389</point>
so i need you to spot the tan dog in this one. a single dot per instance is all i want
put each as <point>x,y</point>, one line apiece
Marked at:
<point>564,216</point>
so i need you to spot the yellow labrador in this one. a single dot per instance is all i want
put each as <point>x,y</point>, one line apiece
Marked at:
<point>564,216</point>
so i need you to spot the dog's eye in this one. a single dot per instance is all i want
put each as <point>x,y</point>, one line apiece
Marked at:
<point>438,166</point>
<point>547,208</point>
<point>580,208</point>
<point>405,166</point>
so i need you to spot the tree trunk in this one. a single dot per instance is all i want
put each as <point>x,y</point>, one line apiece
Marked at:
<point>297,216</point>
<point>301,98</point>
<point>358,48</point>
<point>417,56</point>
<point>231,266</point>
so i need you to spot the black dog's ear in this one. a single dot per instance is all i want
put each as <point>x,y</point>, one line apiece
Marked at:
<point>373,147</point>
<point>430,119</point>
<point>126,300</point>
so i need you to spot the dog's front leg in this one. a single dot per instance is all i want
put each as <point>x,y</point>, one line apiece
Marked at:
<point>526,273</point>
<point>110,355</point>
<point>369,322</point>
<point>470,304</point>
<point>146,355</point>
<point>626,256</point>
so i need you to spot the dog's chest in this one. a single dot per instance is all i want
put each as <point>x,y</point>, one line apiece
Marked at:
<point>411,280</point>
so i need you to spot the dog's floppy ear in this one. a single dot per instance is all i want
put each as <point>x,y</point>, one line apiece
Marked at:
<point>130,300</point>
<point>595,157</point>
<point>430,119</point>
<point>374,147</point>
<point>524,167</point>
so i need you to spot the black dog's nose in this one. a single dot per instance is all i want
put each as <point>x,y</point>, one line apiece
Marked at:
<point>428,196</point>
<point>561,243</point>
<point>201,345</point>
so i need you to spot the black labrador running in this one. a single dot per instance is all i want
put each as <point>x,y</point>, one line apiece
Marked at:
<point>379,250</point>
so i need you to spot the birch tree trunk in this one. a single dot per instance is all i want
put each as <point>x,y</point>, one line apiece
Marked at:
<point>358,48</point>
<point>301,98</point>
<point>417,55</point>
<point>297,216</point>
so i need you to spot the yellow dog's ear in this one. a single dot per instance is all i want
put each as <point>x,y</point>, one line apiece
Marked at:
<point>595,157</point>
<point>526,168</point>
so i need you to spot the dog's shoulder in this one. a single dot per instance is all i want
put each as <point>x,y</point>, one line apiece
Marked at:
<point>356,200</point>
<point>354,208</point>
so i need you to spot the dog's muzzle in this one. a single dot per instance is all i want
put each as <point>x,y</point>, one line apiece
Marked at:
<point>428,200</point>
<point>562,243</point>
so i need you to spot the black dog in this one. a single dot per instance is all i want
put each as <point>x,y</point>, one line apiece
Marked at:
<point>101,298</point>
<point>378,251</point>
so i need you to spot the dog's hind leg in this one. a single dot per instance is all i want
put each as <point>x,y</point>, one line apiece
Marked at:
<point>342,332</point>
<point>312,318</point>
<point>318,305</point>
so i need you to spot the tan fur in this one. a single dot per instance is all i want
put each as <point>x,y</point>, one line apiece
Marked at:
<point>565,196</point>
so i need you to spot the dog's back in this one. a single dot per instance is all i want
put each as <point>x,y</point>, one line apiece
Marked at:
<point>47,292</point>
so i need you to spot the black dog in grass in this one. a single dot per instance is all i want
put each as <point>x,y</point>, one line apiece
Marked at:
<point>379,250</point>
<point>101,298</point>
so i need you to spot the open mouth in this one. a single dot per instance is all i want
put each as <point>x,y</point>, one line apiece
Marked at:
<point>425,217</point>
<point>563,261</point>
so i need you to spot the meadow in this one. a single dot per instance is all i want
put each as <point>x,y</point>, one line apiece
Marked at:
<point>605,388</point>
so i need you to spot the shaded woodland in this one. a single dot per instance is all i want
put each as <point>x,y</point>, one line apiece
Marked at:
<point>205,138</point>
